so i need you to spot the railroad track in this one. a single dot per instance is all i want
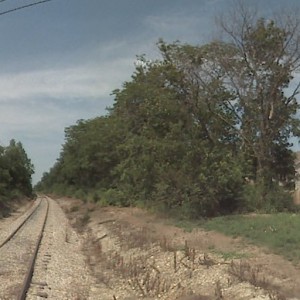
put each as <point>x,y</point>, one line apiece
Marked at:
<point>42,257</point>
<point>18,252</point>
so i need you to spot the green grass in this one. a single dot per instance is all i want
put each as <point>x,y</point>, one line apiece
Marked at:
<point>229,255</point>
<point>279,232</point>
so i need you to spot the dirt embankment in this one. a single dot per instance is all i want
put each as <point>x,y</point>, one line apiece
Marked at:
<point>137,255</point>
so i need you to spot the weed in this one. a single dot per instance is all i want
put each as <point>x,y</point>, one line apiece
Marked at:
<point>91,209</point>
<point>133,238</point>
<point>218,291</point>
<point>165,245</point>
<point>82,222</point>
<point>206,261</point>
<point>230,255</point>
<point>275,295</point>
<point>85,219</point>
<point>175,261</point>
<point>147,279</point>
<point>243,271</point>
<point>211,247</point>
<point>67,236</point>
<point>74,208</point>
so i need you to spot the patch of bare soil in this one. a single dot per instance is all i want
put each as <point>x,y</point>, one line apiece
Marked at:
<point>137,255</point>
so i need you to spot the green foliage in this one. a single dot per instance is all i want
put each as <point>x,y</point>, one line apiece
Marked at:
<point>257,198</point>
<point>16,170</point>
<point>80,194</point>
<point>113,197</point>
<point>261,69</point>
<point>189,133</point>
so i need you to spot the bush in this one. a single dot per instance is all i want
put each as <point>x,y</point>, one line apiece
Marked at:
<point>15,194</point>
<point>58,189</point>
<point>251,198</point>
<point>113,197</point>
<point>69,191</point>
<point>96,197</point>
<point>4,210</point>
<point>80,194</point>
<point>257,198</point>
<point>279,200</point>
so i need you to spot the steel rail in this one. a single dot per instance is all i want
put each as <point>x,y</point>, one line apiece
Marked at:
<point>11,235</point>
<point>30,270</point>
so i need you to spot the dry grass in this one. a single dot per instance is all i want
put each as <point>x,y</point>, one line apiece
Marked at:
<point>244,272</point>
<point>132,263</point>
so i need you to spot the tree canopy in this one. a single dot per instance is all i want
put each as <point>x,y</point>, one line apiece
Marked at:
<point>16,170</point>
<point>204,130</point>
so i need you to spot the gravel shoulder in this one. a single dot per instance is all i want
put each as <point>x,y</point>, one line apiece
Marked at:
<point>133,254</point>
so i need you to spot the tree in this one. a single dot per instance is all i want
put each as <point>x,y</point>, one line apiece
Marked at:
<point>89,153</point>
<point>15,175</point>
<point>175,147</point>
<point>257,68</point>
<point>87,159</point>
<point>19,167</point>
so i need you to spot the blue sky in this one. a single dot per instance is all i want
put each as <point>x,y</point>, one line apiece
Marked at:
<point>60,61</point>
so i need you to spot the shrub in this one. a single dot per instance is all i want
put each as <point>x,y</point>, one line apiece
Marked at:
<point>80,194</point>
<point>113,197</point>
<point>257,198</point>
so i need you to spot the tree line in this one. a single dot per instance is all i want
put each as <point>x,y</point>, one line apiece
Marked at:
<point>204,130</point>
<point>16,170</point>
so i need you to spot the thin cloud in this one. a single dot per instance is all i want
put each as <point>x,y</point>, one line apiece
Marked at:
<point>65,84</point>
<point>181,26</point>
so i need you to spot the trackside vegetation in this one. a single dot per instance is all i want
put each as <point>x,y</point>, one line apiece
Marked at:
<point>16,170</point>
<point>278,232</point>
<point>203,131</point>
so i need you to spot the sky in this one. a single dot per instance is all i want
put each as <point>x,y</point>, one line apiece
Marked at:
<point>60,61</point>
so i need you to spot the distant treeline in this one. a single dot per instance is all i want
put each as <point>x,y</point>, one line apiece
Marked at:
<point>16,170</point>
<point>202,131</point>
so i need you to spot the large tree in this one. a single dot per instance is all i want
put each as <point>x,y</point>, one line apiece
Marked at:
<point>19,167</point>
<point>257,61</point>
<point>176,151</point>
<point>248,82</point>
<point>16,170</point>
